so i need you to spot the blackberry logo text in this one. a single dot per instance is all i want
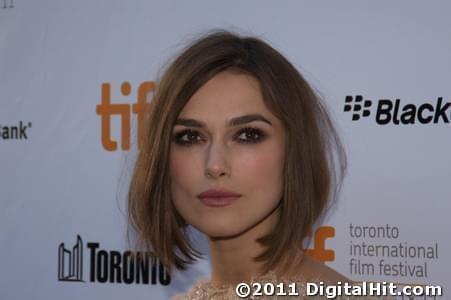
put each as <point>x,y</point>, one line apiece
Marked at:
<point>396,112</point>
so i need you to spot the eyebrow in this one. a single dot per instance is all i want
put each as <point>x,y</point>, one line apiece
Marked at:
<point>233,122</point>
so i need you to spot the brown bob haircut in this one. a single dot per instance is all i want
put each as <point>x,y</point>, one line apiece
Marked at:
<point>315,160</point>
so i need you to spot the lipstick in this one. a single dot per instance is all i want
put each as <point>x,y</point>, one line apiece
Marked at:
<point>218,198</point>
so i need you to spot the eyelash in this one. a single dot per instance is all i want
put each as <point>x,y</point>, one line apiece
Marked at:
<point>178,137</point>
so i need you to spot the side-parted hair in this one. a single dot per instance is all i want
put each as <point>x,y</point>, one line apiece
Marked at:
<point>315,160</point>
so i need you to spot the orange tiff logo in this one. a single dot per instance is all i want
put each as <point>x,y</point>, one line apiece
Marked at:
<point>106,109</point>
<point>319,251</point>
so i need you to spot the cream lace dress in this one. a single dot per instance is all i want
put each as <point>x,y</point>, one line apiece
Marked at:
<point>204,290</point>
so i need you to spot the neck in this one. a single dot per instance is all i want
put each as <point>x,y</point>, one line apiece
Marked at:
<point>232,257</point>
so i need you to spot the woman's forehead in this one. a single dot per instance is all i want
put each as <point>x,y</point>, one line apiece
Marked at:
<point>228,95</point>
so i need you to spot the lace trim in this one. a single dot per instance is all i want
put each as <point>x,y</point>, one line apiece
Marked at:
<point>204,290</point>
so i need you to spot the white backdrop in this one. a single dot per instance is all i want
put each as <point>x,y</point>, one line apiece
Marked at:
<point>58,182</point>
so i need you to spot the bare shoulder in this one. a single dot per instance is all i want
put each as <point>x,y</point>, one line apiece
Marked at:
<point>314,270</point>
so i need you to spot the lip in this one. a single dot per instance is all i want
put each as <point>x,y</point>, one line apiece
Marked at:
<point>218,198</point>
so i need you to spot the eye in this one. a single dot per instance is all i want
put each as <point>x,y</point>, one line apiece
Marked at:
<point>250,135</point>
<point>187,137</point>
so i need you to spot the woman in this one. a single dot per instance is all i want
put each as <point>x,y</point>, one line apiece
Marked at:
<point>239,146</point>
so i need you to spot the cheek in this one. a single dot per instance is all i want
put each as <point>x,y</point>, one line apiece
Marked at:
<point>179,167</point>
<point>182,167</point>
<point>262,169</point>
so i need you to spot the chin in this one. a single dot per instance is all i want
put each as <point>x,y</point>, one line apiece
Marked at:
<point>220,226</point>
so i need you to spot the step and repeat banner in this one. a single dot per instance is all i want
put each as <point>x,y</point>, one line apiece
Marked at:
<point>74,76</point>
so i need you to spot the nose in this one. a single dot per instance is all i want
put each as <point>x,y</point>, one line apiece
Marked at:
<point>216,165</point>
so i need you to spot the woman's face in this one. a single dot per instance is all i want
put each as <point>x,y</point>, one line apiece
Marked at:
<point>226,157</point>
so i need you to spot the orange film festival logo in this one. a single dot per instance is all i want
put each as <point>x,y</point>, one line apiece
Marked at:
<point>319,251</point>
<point>124,111</point>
